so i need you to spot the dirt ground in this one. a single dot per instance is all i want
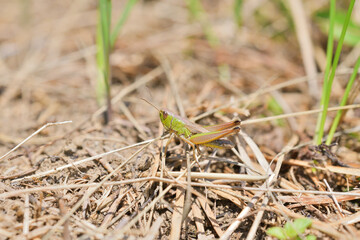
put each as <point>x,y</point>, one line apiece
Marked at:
<point>88,180</point>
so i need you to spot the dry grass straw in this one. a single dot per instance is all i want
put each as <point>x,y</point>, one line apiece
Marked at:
<point>119,196</point>
<point>31,136</point>
<point>303,34</point>
<point>259,191</point>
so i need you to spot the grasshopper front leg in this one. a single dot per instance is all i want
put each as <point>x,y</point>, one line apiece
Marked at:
<point>167,143</point>
<point>193,146</point>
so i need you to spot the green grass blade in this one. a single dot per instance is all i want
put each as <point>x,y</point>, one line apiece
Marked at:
<point>100,62</point>
<point>120,23</point>
<point>328,82</point>
<point>237,12</point>
<point>343,102</point>
<point>195,8</point>
<point>329,53</point>
<point>103,51</point>
<point>352,37</point>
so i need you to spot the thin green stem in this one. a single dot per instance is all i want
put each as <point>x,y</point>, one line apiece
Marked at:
<point>329,53</point>
<point>125,14</point>
<point>237,12</point>
<point>339,114</point>
<point>328,82</point>
<point>103,55</point>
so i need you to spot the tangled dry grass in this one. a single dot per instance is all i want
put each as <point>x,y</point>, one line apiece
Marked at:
<point>86,180</point>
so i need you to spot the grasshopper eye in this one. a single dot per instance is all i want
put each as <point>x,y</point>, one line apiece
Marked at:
<point>165,114</point>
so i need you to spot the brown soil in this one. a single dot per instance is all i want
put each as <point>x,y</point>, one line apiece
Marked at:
<point>48,75</point>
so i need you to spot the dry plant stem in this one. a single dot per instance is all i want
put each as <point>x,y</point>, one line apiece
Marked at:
<point>259,156</point>
<point>187,203</point>
<point>211,216</point>
<point>210,160</point>
<point>141,81</point>
<point>243,213</point>
<point>15,193</point>
<point>121,214</point>
<point>174,89</point>
<point>103,161</point>
<point>342,170</point>
<point>252,121</point>
<point>259,215</point>
<point>5,233</point>
<point>306,199</point>
<point>29,64</point>
<point>26,221</point>
<point>306,46</point>
<point>181,203</point>
<point>112,209</point>
<point>334,199</point>
<point>251,169</point>
<point>318,225</point>
<point>37,233</point>
<point>89,228</point>
<point>354,218</point>
<point>233,196</point>
<point>253,95</point>
<point>85,160</point>
<point>246,210</point>
<point>90,192</point>
<point>127,227</point>
<point>132,119</point>
<point>63,210</point>
<point>138,144</point>
<point>253,201</point>
<point>154,230</point>
<point>132,87</point>
<point>221,176</point>
<point>32,135</point>
<point>150,219</point>
<point>163,160</point>
<point>27,172</point>
<point>257,220</point>
<point>176,220</point>
<point>198,219</point>
<point>263,91</point>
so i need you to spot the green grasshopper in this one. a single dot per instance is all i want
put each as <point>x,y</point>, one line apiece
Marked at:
<point>195,134</point>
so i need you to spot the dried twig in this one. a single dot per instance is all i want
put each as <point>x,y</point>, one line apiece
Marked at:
<point>90,192</point>
<point>252,121</point>
<point>85,160</point>
<point>26,215</point>
<point>307,51</point>
<point>32,135</point>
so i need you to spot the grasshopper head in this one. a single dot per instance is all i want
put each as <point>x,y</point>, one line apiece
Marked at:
<point>163,114</point>
<point>164,118</point>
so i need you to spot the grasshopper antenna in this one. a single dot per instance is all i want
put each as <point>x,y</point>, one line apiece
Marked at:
<point>150,104</point>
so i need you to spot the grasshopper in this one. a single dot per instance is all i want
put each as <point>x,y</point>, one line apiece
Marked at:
<point>195,134</point>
